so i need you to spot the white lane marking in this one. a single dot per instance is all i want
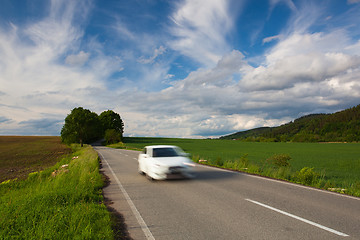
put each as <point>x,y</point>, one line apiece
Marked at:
<point>280,181</point>
<point>140,220</point>
<point>300,218</point>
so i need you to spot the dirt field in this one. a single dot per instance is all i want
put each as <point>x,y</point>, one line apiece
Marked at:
<point>20,155</point>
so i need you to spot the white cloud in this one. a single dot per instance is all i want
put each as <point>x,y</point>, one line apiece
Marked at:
<point>270,39</point>
<point>206,103</point>
<point>220,75</point>
<point>303,73</point>
<point>301,58</point>
<point>123,31</point>
<point>288,3</point>
<point>306,15</point>
<point>218,125</point>
<point>200,29</point>
<point>32,74</point>
<point>77,59</point>
<point>157,52</point>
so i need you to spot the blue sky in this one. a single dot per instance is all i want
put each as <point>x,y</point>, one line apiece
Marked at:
<point>196,68</point>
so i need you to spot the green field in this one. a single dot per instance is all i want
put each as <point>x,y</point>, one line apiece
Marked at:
<point>337,164</point>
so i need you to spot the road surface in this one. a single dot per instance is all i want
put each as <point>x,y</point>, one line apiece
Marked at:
<point>220,204</point>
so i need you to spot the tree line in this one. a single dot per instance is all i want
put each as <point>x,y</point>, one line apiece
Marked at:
<point>343,126</point>
<point>83,126</point>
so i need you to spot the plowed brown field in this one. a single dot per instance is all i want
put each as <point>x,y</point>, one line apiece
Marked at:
<point>21,155</point>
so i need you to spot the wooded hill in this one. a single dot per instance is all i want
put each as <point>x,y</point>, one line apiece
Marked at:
<point>343,126</point>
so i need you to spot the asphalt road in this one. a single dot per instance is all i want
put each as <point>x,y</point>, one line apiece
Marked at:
<point>221,204</point>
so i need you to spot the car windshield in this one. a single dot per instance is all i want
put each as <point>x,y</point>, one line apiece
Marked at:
<point>165,152</point>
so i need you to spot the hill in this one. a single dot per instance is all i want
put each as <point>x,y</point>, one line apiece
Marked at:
<point>343,126</point>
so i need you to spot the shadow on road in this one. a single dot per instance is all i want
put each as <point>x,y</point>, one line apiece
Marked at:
<point>207,175</point>
<point>214,175</point>
<point>98,143</point>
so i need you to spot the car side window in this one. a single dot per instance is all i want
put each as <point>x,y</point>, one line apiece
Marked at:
<point>144,150</point>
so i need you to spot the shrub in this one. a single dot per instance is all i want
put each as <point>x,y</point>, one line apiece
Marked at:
<point>279,160</point>
<point>229,164</point>
<point>219,162</point>
<point>252,168</point>
<point>307,176</point>
<point>244,160</point>
<point>283,173</point>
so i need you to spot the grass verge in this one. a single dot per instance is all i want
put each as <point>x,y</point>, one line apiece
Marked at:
<point>121,145</point>
<point>62,202</point>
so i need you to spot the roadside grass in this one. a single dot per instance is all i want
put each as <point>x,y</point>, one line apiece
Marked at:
<point>61,202</point>
<point>330,166</point>
<point>121,145</point>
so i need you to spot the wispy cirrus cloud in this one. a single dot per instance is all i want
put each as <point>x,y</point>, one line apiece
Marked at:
<point>270,39</point>
<point>157,52</point>
<point>77,59</point>
<point>289,3</point>
<point>200,29</point>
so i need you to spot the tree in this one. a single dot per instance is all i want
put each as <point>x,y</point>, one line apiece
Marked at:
<point>81,125</point>
<point>112,136</point>
<point>111,120</point>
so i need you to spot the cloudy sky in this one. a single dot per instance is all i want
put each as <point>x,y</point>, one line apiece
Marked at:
<point>187,68</point>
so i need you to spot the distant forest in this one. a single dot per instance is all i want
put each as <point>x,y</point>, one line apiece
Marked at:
<point>343,126</point>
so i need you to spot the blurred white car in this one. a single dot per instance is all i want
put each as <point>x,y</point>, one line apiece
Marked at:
<point>161,162</point>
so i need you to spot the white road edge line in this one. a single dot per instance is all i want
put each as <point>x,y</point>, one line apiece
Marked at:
<point>300,218</point>
<point>140,220</point>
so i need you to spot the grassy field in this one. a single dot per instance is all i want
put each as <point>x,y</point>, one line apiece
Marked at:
<point>63,201</point>
<point>21,155</point>
<point>335,165</point>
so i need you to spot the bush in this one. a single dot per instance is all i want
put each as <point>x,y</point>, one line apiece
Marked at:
<point>307,176</point>
<point>244,160</point>
<point>112,136</point>
<point>279,160</point>
<point>283,173</point>
<point>219,162</point>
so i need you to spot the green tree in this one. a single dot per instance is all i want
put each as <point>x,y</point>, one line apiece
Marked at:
<point>82,126</point>
<point>111,120</point>
<point>112,136</point>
